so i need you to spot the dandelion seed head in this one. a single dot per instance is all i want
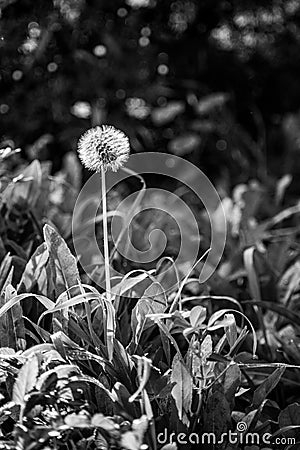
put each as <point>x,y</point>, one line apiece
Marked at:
<point>103,147</point>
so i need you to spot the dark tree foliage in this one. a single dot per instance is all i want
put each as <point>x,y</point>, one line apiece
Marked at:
<point>68,64</point>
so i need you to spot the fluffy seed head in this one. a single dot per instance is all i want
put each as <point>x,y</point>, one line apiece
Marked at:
<point>103,147</point>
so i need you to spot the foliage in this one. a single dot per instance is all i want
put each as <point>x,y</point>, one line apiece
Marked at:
<point>220,353</point>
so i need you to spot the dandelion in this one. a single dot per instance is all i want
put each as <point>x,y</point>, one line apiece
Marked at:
<point>101,149</point>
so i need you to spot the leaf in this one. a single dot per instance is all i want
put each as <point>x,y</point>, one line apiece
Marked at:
<point>2,249</point>
<point>110,328</point>
<point>251,273</point>
<point>231,382</point>
<point>288,285</point>
<point>38,349</point>
<point>182,391</point>
<point>64,265</point>
<point>231,330</point>
<point>201,368</point>
<point>128,283</point>
<point>153,302</point>
<point>143,370</point>
<point>7,336</point>
<point>46,302</point>
<point>100,442</point>
<point>5,269</point>
<point>25,187</point>
<point>197,316</point>
<point>224,323</point>
<point>25,381</point>
<point>217,412</point>
<point>62,372</point>
<point>206,349</point>
<point>35,271</point>
<point>18,328</point>
<point>266,387</point>
<point>64,270</point>
<point>290,416</point>
<point>124,363</point>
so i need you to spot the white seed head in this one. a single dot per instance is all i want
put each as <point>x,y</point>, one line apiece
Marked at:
<point>103,147</point>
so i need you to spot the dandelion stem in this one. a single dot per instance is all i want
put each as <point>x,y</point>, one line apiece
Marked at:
<point>105,236</point>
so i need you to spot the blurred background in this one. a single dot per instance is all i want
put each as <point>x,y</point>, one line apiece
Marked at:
<point>213,81</point>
